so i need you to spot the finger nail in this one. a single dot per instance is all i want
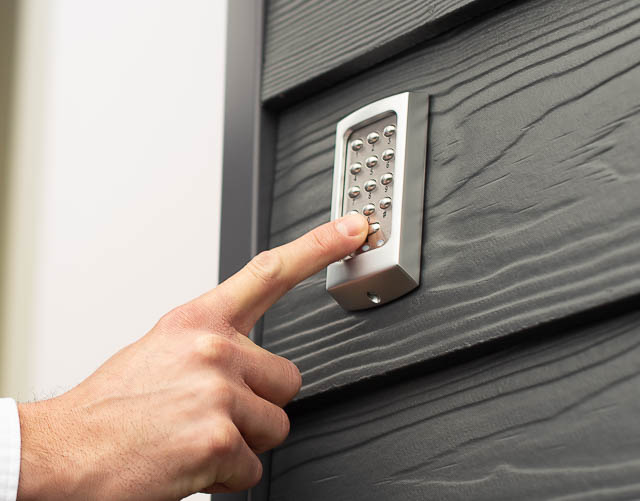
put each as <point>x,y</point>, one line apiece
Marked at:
<point>351,226</point>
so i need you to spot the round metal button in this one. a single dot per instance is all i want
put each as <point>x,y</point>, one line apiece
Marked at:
<point>368,209</point>
<point>351,212</point>
<point>373,137</point>
<point>370,185</point>
<point>387,154</point>
<point>355,168</point>
<point>386,178</point>
<point>385,203</point>
<point>372,161</point>
<point>374,228</point>
<point>354,192</point>
<point>357,144</point>
<point>389,130</point>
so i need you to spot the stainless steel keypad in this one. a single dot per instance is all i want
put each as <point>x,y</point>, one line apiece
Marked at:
<point>376,158</point>
<point>379,172</point>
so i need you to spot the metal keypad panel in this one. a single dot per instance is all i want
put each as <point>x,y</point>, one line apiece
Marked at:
<point>368,187</point>
<point>379,171</point>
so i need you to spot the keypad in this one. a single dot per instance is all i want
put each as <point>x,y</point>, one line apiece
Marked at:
<point>370,163</point>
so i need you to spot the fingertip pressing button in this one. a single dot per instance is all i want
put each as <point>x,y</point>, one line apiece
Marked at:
<point>374,228</point>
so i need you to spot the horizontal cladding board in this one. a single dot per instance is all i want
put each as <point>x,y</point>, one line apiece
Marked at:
<point>309,45</point>
<point>555,417</point>
<point>532,209</point>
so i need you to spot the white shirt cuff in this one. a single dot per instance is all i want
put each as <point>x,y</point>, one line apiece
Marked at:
<point>9,449</point>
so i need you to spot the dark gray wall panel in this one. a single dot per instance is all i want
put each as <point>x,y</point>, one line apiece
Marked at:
<point>552,418</point>
<point>311,44</point>
<point>532,200</point>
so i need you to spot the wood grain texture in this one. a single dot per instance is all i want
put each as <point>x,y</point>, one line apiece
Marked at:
<point>532,205</point>
<point>311,44</point>
<point>552,418</point>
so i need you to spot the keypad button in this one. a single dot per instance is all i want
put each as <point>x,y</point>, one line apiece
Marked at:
<point>389,130</point>
<point>373,137</point>
<point>365,247</point>
<point>354,192</point>
<point>351,212</point>
<point>355,168</point>
<point>368,209</point>
<point>370,185</point>
<point>386,178</point>
<point>387,154</point>
<point>385,203</point>
<point>357,144</point>
<point>374,228</point>
<point>372,161</point>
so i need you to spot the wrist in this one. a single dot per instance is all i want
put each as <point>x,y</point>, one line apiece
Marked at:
<point>46,467</point>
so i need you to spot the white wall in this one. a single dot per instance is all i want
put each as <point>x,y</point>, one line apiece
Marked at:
<point>118,149</point>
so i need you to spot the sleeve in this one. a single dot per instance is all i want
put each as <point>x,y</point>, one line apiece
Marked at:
<point>9,449</point>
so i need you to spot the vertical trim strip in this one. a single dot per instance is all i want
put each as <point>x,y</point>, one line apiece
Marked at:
<point>247,166</point>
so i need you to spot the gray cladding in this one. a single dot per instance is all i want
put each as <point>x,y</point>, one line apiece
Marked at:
<point>310,45</point>
<point>552,418</point>
<point>533,179</point>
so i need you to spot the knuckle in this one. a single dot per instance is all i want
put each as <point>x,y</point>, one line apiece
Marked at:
<point>213,348</point>
<point>292,378</point>
<point>256,473</point>
<point>283,426</point>
<point>223,441</point>
<point>276,432</point>
<point>267,266</point>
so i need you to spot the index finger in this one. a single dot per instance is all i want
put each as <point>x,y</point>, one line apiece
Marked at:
<point>270,274</point>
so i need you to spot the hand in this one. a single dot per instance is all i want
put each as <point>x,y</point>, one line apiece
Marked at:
<point>188,406</point>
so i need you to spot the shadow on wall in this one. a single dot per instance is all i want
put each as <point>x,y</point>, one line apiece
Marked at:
<point>8,32</point>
